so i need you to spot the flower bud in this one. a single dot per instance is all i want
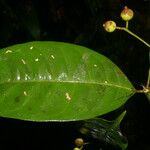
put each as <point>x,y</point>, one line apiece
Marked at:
<point>127,14</point>
<point>79,142</point>
<point>76,148</point>
<point>109,26</point>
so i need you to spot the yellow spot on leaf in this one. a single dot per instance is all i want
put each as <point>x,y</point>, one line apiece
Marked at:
<point>106,82</point>
<point>31,47</point>
<point>36,59</point>
<point>68,96</point>
<point>53,56</point>
<point>8,51</point>
<point>23,61</point>
<point>25,93</point>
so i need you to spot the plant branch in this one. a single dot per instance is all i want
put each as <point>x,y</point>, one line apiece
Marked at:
<point>148,80</point>
<point>127,24</point>
<point>133,34</point>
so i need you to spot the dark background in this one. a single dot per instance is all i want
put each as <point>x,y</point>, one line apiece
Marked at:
<point>80,22</point>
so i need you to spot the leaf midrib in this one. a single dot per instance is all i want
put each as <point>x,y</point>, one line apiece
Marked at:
<point>74,82</point>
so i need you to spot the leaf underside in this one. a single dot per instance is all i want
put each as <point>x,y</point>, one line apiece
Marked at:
<point>55,81</point>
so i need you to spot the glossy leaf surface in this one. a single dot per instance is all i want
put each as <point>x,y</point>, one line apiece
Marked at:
<point>54,81</point>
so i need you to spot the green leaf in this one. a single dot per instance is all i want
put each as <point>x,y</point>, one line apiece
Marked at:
<point>106,131</point>
<point>54,81</point>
